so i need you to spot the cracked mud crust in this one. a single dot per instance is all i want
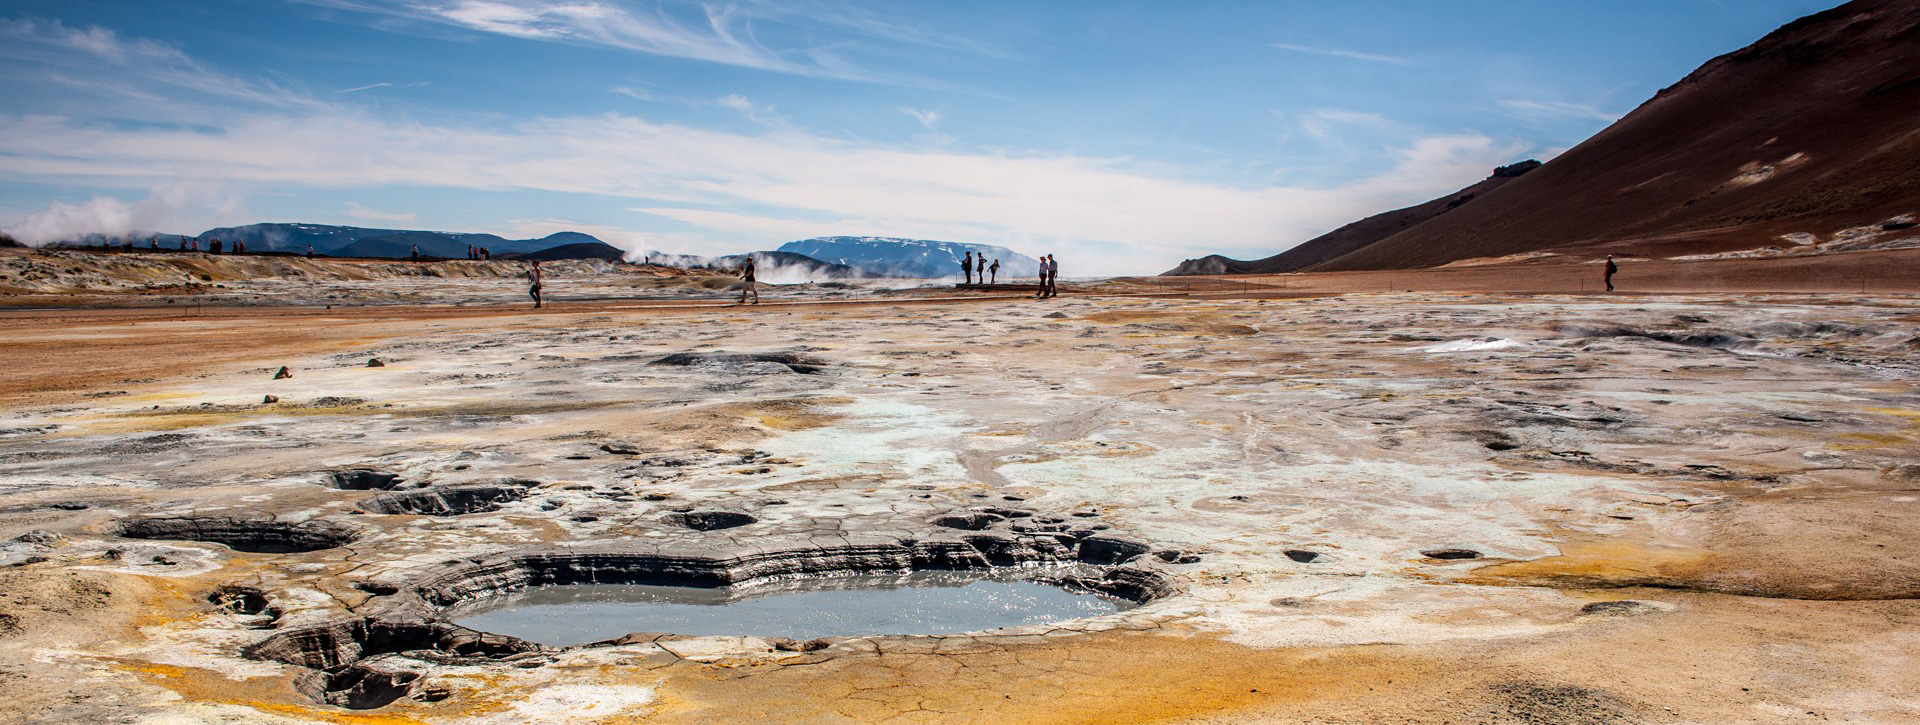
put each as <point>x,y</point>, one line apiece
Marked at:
<point>1359,509</point>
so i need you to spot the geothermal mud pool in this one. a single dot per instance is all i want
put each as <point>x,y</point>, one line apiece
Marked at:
<point>805,609</point>
<point>1423,507</point>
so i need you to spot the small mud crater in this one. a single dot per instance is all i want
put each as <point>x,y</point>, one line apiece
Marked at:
<point>449,501</point>
<point>254,536</point>
<point>1446,554</point>
<point>968,521</point>
<point>364,479</point>
<point>751,362</point>
<point>709,520</point>
<point>1303,556</point>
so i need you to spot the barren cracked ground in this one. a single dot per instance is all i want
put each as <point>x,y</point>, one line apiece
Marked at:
<point>1338,509</point>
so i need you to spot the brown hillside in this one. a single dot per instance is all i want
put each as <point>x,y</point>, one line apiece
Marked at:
<point>1352,236</point>
<point>1815,128</point>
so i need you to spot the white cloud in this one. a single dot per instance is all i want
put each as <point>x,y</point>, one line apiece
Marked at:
<point>925,117</point>
<point>634,93</point>
<point>1324,123</point>
<point>1559,109</point>
<point>133,68</point>
<point>1340,53</point>
<point>762,181</point>
<point>357,211</point>
<point>722,34</point>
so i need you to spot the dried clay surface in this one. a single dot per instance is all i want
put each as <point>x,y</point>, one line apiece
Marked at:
<point>1369,508</point>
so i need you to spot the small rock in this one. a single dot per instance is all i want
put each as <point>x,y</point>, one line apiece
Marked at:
<point>625,448</point>
<point>1621,608</point>
<point>283,374</point>
<point>270,400</point>
<point>1055,315</point>
<point>375,363</point>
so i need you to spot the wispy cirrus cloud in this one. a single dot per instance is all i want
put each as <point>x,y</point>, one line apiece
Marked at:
<point>927,118</point>
<point>1560,109</point>
<point>374,86</point>
<point>1343,53</point>
<point>359,211</point>
<point>724,34</point>
<point>100,62</point>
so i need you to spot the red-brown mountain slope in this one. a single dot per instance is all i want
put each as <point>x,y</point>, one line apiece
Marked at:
<point>1815,128</point>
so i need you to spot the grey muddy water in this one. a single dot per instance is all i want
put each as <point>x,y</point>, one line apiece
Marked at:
<point>926,602</point>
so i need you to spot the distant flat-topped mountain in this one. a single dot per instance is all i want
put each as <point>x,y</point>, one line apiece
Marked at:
<point>1353,236</point>
<point>595,249</point>
<point>1807,132</point>
<point>894,257</point>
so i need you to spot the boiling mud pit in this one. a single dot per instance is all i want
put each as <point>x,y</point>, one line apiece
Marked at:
<point>917,603</point>
<point>1381,508</point>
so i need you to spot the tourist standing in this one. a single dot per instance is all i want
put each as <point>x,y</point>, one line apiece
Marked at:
<point>1611,269</point>
<point>533,276</point>
<point>994,271</point>
<point>416,258</point>
<point>966,267</point>
<point>1043,278</point>
<point>747,282</point>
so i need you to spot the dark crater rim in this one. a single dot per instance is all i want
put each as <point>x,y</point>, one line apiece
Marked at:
<point>344,657</point>
<point>254,536</point>
<point>446,500</point>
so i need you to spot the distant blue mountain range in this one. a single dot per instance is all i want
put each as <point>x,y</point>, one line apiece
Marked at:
<point>364,242</point>
<point>895,257</point>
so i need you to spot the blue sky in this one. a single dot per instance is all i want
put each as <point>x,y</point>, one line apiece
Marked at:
<point>1123,136</point>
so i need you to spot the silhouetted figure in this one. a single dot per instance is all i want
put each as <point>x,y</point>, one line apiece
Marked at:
<point>1053,276</point>
<point>486,254</point>
<point>213,247</point>
<point>196,244</point>
<point>966,267</point>
<point>416,257</point>
<point>239,246</point>
<point>533,276</point>
<point>1611,270</point>
<point>1043,278</point>
<point>309,251</point>
<point>153,244</point>
<point>747,282</point>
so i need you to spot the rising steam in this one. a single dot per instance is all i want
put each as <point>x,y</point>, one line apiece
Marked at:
<point>113,216</point>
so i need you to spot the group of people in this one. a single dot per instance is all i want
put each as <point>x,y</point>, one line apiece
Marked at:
<point>968,265</point>
<point>1049,276</point>
<point>1049,272</point>
<point>476,254</point>
<point>978,271</point>
<point>192,244</point>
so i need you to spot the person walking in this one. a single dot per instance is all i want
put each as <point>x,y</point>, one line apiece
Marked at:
<point>1043,278</point>
<point>747,280</point>
<point>966,267</point>
<point>994,271</point>
<point>1053,276</point>
<point>533,276</point>
<point>1611,270</point>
